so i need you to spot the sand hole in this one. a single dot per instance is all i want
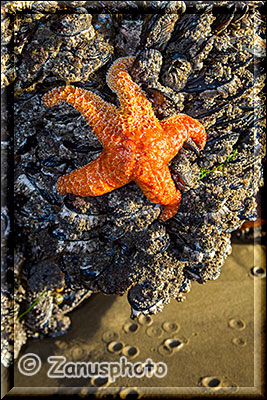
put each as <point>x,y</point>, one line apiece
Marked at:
<point>153,331</point>
<point>100,381</point>
<point>165,350</point>
<point>149,369</point>
<point>237,324</point>
<point>258,272</point>
<point>239,341</point>
<point>131,327</point>
<point>109,336</point>
<point>173,343</point>
<point>145,319</point>
<point>129,393</point>
<point>211,382</point>
<point>170,327</point>
<point>79,353</point>
<point>115,347</point>
<point>214,382</point>
<point>131,351</point>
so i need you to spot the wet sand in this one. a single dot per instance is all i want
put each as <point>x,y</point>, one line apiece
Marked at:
<point>210,343</point>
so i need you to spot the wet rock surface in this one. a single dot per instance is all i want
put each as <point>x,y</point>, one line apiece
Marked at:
<point>199,58</point>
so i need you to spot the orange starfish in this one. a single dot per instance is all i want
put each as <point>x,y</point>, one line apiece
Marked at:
<point>137,146</point>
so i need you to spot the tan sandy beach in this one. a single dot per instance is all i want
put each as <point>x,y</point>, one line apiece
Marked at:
<point>207,342</point>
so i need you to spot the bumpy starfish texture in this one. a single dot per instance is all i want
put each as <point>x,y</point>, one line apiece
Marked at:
<point>137,146</point>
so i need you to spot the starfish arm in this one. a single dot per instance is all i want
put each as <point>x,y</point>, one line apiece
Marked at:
<point>179,128</point>
<point>132,98</point>
<point>100,115</point>
<point>158,186</point>
<point>94,179</point>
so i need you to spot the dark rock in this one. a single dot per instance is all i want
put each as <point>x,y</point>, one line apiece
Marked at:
<point>205,60</point>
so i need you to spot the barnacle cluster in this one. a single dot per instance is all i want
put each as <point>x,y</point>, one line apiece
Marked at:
<point>203,59</point>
